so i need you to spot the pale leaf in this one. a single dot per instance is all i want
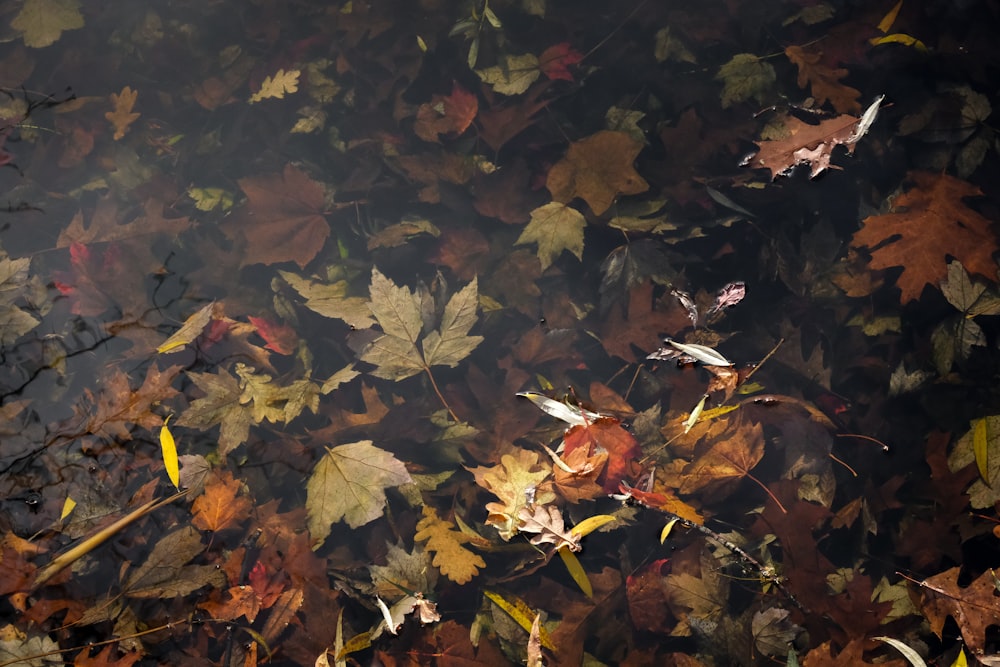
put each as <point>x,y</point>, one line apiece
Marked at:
<point>554,227</point>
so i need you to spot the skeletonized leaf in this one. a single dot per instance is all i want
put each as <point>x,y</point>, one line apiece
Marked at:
<point>349,484</point>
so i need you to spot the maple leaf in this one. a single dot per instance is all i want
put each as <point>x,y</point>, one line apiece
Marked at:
<point>555,227</point>
<point>220,406</point>
<point>555,61</point>
<point>743,77</point>
<point>106,225</point>
<point>165,573</point>
<point>454,560</point>
<point>642,324</point>
<point>581,484</point>
<point>518,477</point>
<point>220,506</point>
<point>349,483</point>
<point>731,456</point>
<point>974,608</point>
<point>932,223</point>
<point>396,354</point>
<point>331,300</point>
<point>275,402</point>
<point>277,85</point>
<point>123,116</point>
<point>824,81</point>
<point>282,220</point>
<point>648,597</point>
<point>605,434</point>
<point>239,601</point>
<point>117,406</point>
<point>15,286</point>
<point>42,22</point>
<point>502,122</point>
<point>280,338</point>
<point>451,114</point>
<point>513,76</point>
<point>597,169</point>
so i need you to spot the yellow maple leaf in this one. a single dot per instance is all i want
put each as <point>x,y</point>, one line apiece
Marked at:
<point>454,560</point>
<point>123,116</point>
<point>555,227</point>
<point>42,22</point>
<point>283,81</point>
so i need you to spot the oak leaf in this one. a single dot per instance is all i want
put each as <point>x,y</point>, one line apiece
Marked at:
<point>450,556</point>
<point>546,522</point>
<point>117,406</point>
<point>348,484</point>
<point>107,658</point>
<point>221,506</point>
<point>974,608</point>
<point>282,220</point>
<point>268,400</point>
<point>555,227</point>
<point>824,81</point>
<point>277,85</point>
<point>932,222</point>
<point>396,354</point>
<point>605,434</point>
<point>42,22</point>
<point>518,477</point>
<point>122,116</point>
<point>803,143</point>
<point>597,169</point>
<point>238,601</point>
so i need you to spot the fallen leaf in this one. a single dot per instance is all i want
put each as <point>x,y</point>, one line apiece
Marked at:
<point>15,287</point>
<point>122,116</point>
<point>348,484</point>
<point>823,80</point>
<point>731,456</point>
<point>331,300</point>
<point>107,226</point>
<point>446,114</point>
<point>974,607</point>
<point>513,76</point>
<point>277,85</point>
<point>555,227</point>
<point>116,406</point>
<point>446,542</point>
<point>605,434</point>
<point>220,406</point>
<point>546,522</point>
<point>502,121</point>
<point>397,309</point>
<point>932,223</point>
<point>745,76</point>
<point>556,60</point>
<point>398,234</point>
<point>648,598</point>
<point>282,220</point>
<point>108,657</point>
<point>518,479</point>
<point>220,506</point>
<point>280,338</point>
<point>165,574</point>
<point>597,169</point>
<point>193,327</point>
<point>274,402</point>
<point>42,22</point>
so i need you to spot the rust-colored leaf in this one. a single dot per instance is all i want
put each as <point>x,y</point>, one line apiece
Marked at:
<point>221,506</point>
<point>446,114</point>
<point>122,116</point>
<point>824,80</point>
<point>605,435</point>
<point>597,169</point>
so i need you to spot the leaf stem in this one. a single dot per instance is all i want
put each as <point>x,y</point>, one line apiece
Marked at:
<point>440,395</point>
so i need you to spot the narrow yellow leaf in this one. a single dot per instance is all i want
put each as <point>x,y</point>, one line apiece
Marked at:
<point>900,38</point>
<point>980,445</point>
<point>890,18</point>
<point>960,659</point>
<point>666,530</point>
<point>521,614</point>
<point>590,524</point>
<point>422,44</point>
<point>67,508</point>
<point>169,449</point>
<point>576,571</point>
<point>353,645</point>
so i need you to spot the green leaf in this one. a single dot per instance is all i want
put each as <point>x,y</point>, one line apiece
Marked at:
<point>554,227</point>
<point>348,484</point>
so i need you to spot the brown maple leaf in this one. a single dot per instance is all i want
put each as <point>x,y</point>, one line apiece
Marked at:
<point>220,506</point>
<point>642,324</point>
<point>446,114</point>
<point>116,405</point>
<point>122,116</point>
<point>503,121</point>
<point>824,81</point>
<point>282,220</point>
<point>105,225</point>
<point>597,169</point>
<point>932,223</point>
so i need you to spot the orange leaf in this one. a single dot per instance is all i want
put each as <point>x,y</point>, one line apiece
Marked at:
<point>451,114</point>
<point>731,456</point>
<point>824,81</point>
<point>220,506</point>
<point>932,223</point>
<point>597,169</point>
<point>122,116</point>
<point>605,435</point>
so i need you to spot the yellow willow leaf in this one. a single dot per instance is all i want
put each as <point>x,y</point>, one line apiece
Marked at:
<point>590,524</point>
<point>576,571</point>
<point>960,660</point>
<point>666,530</point>
<point>889,18</point>
<point>67,508</point>
<point>980,446</point>
<point>900,38</point>
<point>521,614</point>
<point>169,449</point>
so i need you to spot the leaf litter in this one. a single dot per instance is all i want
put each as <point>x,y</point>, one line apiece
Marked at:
<point>308,285</point>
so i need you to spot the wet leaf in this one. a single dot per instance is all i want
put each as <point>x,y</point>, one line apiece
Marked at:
<point>556,60</point>
<point>192,328</point>
<point>331,300</point>
<point>597,169</point>
<point>122,116</point>
<point>221,506</point>
<point>731,456</point>
<point>513,76</point>
<point>972,298</point>
<point>277,85</point>
<point>20,648</point>
<point>280,338</point>
<point>824,80</point>
<point>15,286</point>
<point>446,114</point>
<point>517,479</point>
<point>605,434</point>
<point>745,76</point>
<point>546,522</point>
<point>555,227</point>
<point>42,22</point>
<point>927,224</point>
<point>974,608</point>
<point>348,484</point>
<point>117,406</point>
<point>165,573</point>
<point>107,225</point>
<point>168,448</point>
<point>396,354</point>
<point>450,556</point>
<point>220,406</point>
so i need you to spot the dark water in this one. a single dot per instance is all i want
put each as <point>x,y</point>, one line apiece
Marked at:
<point>276,154</point>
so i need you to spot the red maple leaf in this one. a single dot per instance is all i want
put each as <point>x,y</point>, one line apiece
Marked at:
<point>555,61</point>
<point>280,338</point>
<point>446,114</point>
<point>605,435</point>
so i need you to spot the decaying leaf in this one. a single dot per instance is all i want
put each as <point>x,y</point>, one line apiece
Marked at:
<point>277,85</point>
<point>165,573</point>
<point>331,300</point>
<point>219,406</point>
<point>348,484</point>
<point>122,116</point>
<point>221,506</point>
<point>974,608</point>
<point>824,80</point>
<point>513,76</point>
<point>555,227</point>
<point>42,22</point>
<point>597,169</point>
<point>745,76</point>
<point>450,556</point>
<point>396,354</point>
<point>546,522</point>
<point>518,482</point>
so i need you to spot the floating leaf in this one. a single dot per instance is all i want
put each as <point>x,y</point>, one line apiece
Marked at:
<point>513,75</point>
<point>122,116</point>
<point>517,482</point>
<point>555,227</point>
<point>220,506</point>
<point>277,85</point>
<point>169,450</point>
<point>348,484</point>
<point>454,560</point>
<point>597,169</point>
<point>42,22</point>
<point>745,76</point>
<point>331,300</point>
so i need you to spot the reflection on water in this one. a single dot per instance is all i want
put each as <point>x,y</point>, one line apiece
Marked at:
<point>324,247</point>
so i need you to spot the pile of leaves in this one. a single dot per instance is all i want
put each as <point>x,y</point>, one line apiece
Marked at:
<point>283,287</point>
